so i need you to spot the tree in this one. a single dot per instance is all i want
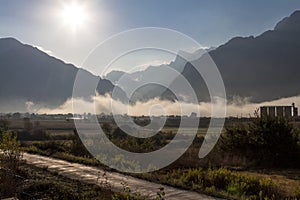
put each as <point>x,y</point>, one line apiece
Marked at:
<point>16,115</point>
<point>266,141</point>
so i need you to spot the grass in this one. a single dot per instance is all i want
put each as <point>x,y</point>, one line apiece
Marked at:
<point>39,183</point>
<point>288,180</point>
<point>64,156</point>
<point>42,184</point>
<point>200,132</point>
<point>52,124</point>
<point>226,183</point>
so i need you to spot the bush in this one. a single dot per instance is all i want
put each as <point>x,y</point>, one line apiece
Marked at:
<point>193,176</point>
<point>267,141</point>
<point>219,178</point>
<point>10,158</point>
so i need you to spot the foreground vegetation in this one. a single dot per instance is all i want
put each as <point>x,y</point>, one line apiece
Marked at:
<point>237,168</point>
<point>23,181</point>
<point>222,182</point>
<point>43,184</point>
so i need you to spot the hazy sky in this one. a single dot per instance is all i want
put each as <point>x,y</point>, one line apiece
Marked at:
<point>210,22</point>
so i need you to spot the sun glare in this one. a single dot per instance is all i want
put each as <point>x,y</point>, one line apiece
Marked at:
<point>74,15</point>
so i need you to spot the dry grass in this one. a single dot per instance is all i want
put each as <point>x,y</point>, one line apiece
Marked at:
<point>289,180</point>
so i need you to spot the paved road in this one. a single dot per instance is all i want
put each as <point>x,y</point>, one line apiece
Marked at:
<point>95,176</point>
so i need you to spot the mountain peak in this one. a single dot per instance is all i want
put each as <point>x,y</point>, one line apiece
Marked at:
<point>291,23</point>
<point>9,41</point>
<point>296,13</point>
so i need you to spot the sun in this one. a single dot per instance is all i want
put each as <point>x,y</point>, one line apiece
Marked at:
<point>74,15</point>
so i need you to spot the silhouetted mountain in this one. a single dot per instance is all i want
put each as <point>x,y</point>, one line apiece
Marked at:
<point>114,76</point>
<point>28,74</point>
<point>257,69</point>
<point>152,77</point>
<point>261,68</point>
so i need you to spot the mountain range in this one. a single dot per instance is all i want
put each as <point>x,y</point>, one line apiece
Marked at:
<point>255,69</point>
<point>261,68</point>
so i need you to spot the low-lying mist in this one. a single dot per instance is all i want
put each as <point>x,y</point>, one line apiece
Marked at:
<point>155,107</point>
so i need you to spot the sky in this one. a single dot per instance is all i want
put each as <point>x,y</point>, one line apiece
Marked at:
<point>209,22</point>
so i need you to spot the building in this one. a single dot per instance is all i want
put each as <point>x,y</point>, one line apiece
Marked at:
<point>279,111</point>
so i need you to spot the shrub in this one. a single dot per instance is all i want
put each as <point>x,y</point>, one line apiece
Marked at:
<point>268,187</point>
<point>267,141</point>
<point>10,158</point>
<point>210,190</point>
<point>219,178</point>
<point>193,176</point>
<point>225,182</point>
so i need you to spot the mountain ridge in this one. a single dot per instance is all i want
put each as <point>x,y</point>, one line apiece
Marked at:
<point>29,74</point>
<point>260,68</point>
<point>257,69</point>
